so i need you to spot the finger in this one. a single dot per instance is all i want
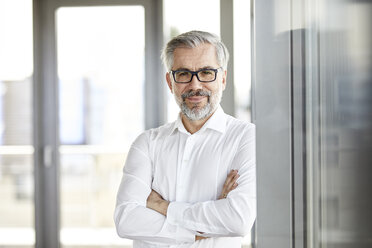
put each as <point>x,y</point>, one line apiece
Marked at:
<point>230,177</point>
<point>236,178</point>
<point>232,182</point>
<point>226,191</point>
<point>234,186</point>
<point>199,238</point>
<point>229,183</point>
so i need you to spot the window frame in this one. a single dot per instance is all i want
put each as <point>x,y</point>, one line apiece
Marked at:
<point>45,105</point>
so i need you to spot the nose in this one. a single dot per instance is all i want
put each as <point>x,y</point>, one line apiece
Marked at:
<point>195,84</point>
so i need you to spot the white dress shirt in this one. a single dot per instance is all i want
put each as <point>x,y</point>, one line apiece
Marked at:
<point>189,170</point>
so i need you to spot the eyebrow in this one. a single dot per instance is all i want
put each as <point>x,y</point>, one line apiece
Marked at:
<point>201,68</point>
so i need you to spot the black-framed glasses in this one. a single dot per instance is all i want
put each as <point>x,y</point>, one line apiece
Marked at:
<point>205,75</point>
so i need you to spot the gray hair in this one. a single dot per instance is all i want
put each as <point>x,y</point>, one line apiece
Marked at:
<point>193,39</point>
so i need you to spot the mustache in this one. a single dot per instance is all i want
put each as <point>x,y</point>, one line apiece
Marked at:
<point>195,93</point>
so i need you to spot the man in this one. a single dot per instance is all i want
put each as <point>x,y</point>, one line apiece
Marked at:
<point>191,183</point>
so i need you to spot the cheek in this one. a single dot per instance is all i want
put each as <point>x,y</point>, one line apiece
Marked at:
<point>180,89</point>
<point>213,90</point>
<point>219,86</point>
<point>177,92</point>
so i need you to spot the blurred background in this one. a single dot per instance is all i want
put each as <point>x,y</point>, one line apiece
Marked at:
<point>81,79</point>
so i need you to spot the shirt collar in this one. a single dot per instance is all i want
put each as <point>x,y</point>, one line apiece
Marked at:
<point>178,125</point>
<point>216,122</point>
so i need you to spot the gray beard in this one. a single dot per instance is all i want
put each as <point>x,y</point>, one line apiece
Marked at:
<point>197,114</point>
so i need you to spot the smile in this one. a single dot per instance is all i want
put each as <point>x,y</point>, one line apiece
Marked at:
<point>195,98</point>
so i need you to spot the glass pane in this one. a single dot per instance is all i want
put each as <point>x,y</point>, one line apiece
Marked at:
<point>101,85</point>
<point>242,68</point>
<point>340,114</point>
<point>177,20</point>
<point>242,59</point>
<point>16,150</point>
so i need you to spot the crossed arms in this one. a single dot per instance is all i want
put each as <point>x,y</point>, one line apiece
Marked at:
<point>180,222</point>
<point>156,202</point>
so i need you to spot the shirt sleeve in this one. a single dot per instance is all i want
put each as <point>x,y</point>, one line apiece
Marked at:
<point>132,219</point>
<point>233,216</point>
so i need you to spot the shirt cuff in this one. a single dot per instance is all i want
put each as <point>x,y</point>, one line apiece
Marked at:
<point>185,235</point>
<point>175,212</point>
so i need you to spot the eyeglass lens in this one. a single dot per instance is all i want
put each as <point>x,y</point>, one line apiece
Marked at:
<point>206,75</point>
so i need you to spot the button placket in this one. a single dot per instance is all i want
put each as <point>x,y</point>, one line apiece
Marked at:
<point>184,166</point>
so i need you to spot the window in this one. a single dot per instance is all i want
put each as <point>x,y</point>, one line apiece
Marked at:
<point>16,135</point>
<point>101,90</point>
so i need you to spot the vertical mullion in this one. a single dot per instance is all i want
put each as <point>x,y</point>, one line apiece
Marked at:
<point>155,94</point>
<point>273,119</point>
<point>227,35</point>
<point>298,139</point>
<point>299,124</point>
<point>45,127</point>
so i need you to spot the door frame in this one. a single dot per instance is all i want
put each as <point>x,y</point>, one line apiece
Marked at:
<point>45,104</point>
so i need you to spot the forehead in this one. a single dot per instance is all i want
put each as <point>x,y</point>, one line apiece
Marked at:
<point>195,58</point>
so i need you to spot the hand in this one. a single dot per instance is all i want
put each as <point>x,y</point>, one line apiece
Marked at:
<point>156,202</point>
<point>230,184</point>
<point>199,238</point>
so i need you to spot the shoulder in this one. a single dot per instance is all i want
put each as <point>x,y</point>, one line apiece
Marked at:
<point>236,127</point>
<point>243,133</point>
<point>152,135</point>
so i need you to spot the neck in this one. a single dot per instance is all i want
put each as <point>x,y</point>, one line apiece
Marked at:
<point>194,126</point>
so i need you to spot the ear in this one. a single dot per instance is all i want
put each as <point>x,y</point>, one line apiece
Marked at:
<point>169,81</point>
<point>224,78</point>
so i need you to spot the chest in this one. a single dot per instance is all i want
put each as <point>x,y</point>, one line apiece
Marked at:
<point>191,168</point>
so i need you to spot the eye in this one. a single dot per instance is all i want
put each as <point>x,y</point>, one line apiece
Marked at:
<point>207,72</point>
<point>183,73</point>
